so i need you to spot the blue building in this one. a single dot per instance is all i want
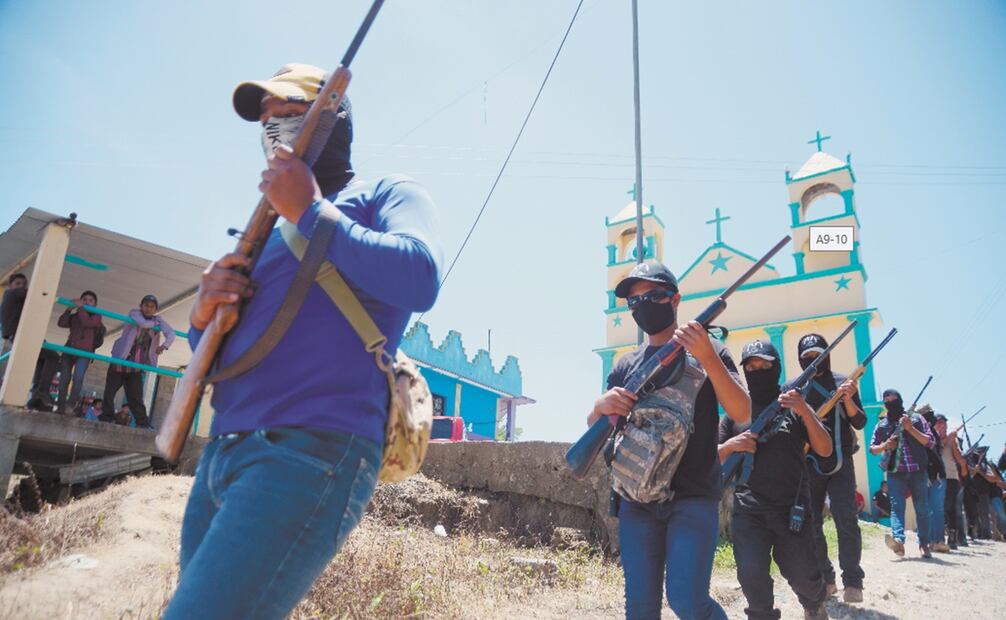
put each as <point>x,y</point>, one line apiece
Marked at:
<point>473,390</point>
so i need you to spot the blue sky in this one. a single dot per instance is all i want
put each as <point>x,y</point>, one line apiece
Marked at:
<point>121,112</point>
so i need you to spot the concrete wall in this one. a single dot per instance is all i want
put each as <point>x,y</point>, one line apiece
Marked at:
<point>532,468</point>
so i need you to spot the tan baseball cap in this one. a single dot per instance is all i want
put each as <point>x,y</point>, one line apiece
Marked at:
<point>293,82</point>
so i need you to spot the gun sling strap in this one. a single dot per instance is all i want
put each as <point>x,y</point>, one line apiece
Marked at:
<point>313,268</point>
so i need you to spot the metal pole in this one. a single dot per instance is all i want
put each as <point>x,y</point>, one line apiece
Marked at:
<point>638,193</point>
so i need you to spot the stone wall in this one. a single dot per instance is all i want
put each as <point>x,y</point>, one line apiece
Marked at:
<point>533,469</point>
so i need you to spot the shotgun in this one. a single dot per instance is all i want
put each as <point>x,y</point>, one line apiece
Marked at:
<point>744,461</point>
<point>583,453</point>
<point>964,424</point>
<point>314,133</point>
<point>899,433</point>
<point>856,374</point>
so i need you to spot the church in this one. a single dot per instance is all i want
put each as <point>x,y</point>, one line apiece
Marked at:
<point>826,292</point>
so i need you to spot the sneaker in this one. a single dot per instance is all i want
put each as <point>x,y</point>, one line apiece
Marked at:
<point>852,594</point>
<point>896,546</point>
<point>941,547</point>
<point>830,590</point>
<point>815,614</point>
<point>924,550</point>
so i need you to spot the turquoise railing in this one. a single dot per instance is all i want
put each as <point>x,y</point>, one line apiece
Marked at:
<point>112,315</point>
<point>114,360</point>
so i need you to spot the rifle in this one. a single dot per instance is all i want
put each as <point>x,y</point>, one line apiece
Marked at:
<point>582,454</point>
<point>830,404</point>
<point>774,410</point>
<point>899,433</point>
<point>314,133</point>
<point>964,424</point>
<point>856,374</point>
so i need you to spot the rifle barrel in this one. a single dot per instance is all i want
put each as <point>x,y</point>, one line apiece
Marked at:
<point>361,32</point>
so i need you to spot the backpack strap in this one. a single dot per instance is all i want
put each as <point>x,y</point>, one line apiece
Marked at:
<point>335,286</point>
<point>311,257</point>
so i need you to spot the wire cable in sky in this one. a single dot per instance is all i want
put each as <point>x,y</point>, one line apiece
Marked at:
<point>513,147</point>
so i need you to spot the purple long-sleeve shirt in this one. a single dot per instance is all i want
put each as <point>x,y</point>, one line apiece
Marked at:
<point>125,342</point>
<point>387,248</point>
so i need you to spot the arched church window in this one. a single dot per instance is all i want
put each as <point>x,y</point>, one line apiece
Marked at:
<point>821,201</point>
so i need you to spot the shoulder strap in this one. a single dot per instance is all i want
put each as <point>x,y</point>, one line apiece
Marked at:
<point>311,257</point>
<point>335,286</point>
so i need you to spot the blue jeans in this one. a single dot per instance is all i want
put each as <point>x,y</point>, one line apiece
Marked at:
<point>937,497</point>
<point>267,512</point>
<point>1000,513</point>
<point>676,539</point>
<point>898,485</point>
<point>76,367</point>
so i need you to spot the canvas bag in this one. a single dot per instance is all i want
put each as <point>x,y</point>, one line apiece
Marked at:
<point>410,404</point>
<point>656,434</point>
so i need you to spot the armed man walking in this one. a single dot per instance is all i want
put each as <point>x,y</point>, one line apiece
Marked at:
<point>835,476</point>
<point>904,439</point>
<point>770,507</point>
<point>297,440</point>
<point>667,523</point>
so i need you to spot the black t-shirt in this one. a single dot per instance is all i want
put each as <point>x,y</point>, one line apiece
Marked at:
<point>698,473</point>
<point>881,499</point>
<point>779,470</point>
<point>819,392</point>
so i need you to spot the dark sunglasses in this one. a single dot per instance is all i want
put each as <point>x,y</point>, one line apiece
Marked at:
<point>656,296</point>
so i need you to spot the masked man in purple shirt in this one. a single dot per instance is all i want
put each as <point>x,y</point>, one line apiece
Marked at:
<point>904,439</point>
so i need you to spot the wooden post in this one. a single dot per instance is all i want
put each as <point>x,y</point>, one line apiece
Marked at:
<point>35,316</point>
<point>8,451</point>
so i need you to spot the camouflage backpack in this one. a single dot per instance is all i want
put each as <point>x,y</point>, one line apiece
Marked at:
<point>410,404</point>
<point>648,451</point>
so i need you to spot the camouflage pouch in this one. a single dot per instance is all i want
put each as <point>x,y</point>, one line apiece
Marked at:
<point>648,451</point>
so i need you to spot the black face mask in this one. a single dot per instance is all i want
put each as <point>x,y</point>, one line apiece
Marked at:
<point>763,384</point>
<point>652,317</point>
<point>823,369</point>
<point>895,408</point>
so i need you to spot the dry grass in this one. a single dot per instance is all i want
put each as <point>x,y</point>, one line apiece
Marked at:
<point>28,539</point>
<point>385,572</point>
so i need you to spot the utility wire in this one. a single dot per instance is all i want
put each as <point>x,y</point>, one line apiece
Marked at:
<point>513,147</point>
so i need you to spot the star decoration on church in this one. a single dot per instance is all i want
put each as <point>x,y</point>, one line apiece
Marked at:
<point>618,321</point>
<point>841,283</point>
<point>720,262</point>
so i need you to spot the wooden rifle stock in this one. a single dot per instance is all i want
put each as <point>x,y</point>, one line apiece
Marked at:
<point>826,408</point>
<point>314,133</point>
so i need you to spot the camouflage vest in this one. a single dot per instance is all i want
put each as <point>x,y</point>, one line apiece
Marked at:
<point>648,451</point>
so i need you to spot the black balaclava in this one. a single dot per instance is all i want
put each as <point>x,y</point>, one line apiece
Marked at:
<point>814,341</point>
<point>896,407</point>
<point>653,317</point>
<point>763,384</point>
<point>333,168</point>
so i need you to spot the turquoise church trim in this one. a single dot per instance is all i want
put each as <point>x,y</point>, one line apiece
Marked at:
<point>775,333</point>
<point>450,356</point>
<point>70,258</point>
<point>721,246</point>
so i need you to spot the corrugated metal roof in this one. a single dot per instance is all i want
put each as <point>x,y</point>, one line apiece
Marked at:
<point>134,268</point>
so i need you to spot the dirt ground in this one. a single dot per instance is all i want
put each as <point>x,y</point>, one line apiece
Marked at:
<point>130,569</point>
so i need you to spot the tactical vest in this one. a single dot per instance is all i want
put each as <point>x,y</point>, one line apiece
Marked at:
<point>648,451</point>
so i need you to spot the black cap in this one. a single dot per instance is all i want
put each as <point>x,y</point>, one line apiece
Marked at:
<point>811,343</point>
<point>649,272</point>
<point>940,417</point>
<point>147,298</point>
<point>759,348</point>
<point>891,392</point>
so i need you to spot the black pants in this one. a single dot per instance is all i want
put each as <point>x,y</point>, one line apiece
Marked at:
<point>45,370</point>
<point>133,383</point>
<point>760,537</point>
<point>950,510</point>
<point>841,490</point>
<point>984,516</point>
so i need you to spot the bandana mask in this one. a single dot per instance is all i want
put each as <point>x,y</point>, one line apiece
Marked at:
<point>280,131</point>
